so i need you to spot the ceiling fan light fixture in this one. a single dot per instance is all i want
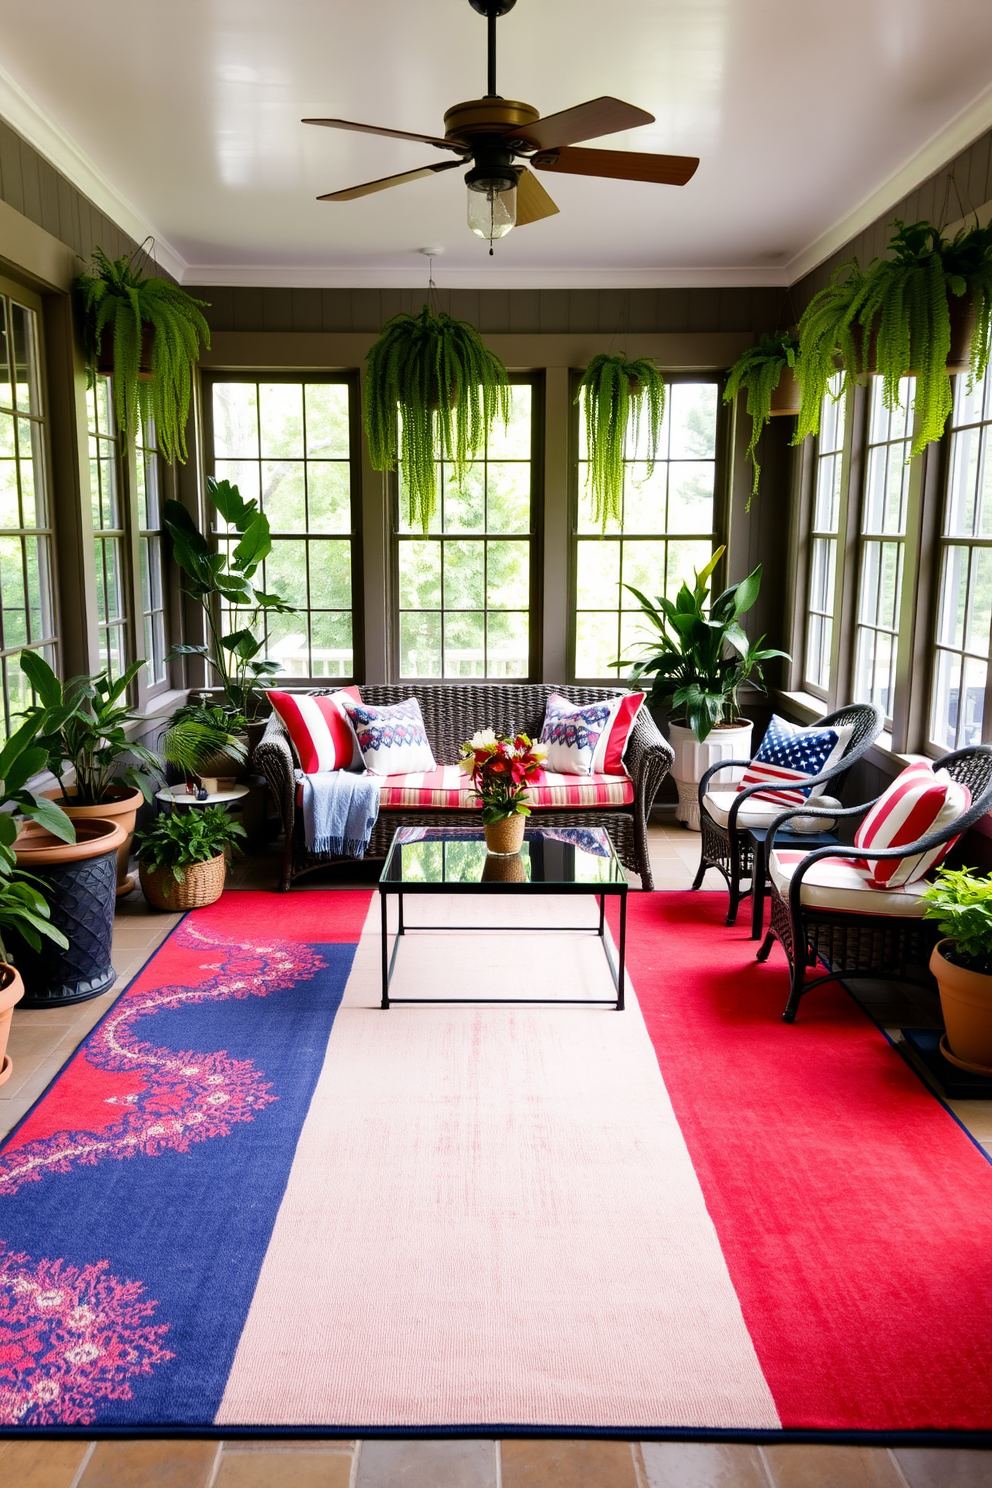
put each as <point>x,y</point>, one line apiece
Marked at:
<point>491,212</point>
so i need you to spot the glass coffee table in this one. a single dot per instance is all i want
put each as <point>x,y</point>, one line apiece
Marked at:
<point>454,860</point>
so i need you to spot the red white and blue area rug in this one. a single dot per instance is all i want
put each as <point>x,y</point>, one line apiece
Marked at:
<point>252,1201</point>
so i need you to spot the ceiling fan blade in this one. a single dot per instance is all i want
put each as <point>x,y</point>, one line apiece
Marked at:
<point>619,165</point>
<point>424,139</point>
<point>533,202</point>
<point>384,182</point>
<point>585,121</point>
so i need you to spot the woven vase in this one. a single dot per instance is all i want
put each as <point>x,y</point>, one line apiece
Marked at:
<point>504,868</point>
<point>202,884</point>
<point>505,836</point>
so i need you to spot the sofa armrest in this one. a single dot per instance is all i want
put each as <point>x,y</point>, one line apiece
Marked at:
<point>648,759</point>
<point>273,757</point>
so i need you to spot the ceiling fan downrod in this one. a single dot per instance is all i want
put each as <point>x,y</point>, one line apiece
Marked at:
<point>492,10</point>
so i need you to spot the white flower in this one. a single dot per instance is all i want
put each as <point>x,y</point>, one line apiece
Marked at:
<point>539,751</point>
<point>481,738</point>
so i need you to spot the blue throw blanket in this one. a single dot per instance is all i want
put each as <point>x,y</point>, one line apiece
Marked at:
<point>339,812</point>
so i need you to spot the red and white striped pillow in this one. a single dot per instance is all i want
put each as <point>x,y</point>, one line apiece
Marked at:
<point>320,729</point>
<point>919,801</point>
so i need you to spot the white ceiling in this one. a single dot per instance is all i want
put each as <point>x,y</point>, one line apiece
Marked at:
<point>811,117</point>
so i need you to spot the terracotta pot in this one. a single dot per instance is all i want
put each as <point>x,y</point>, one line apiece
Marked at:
<point>785,398</point>
<point>504,868</point>
<point>506,836</point>
<point>201,884</point>
<point>105,360</point>
<point>11,991</point>
<point>693,759</point>
<point>966,1002</point>
<point>123,808</point>
<point>78,880</point>
<point>221,762</point>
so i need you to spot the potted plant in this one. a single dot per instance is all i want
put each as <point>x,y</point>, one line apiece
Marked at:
<point>612,396</point>
<point>766,373</point>
<point>961,903</point>
<point>830,340</point>
<point>147,332</point>
<point>84,730</point>
<point>699,658</point>
<point>224,582</point>
<point>433,391</point>
<point>182,857</point>
<point>500,767</point>
<point>205,739</point>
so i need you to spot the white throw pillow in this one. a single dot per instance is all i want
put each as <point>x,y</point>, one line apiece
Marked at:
<point>393,740</point>
<point>576,734</point>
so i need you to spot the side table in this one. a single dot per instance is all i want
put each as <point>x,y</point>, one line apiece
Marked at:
<point>759,868</point>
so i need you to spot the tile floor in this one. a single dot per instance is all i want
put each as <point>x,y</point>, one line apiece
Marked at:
<point>41,1042</point>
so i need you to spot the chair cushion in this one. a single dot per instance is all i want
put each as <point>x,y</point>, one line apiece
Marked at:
<point>788,755</point>
<point>838,883</point>
<point>919,801</point>
<point>392,739</point>
<point>320,729</point>
<point>757,812</point>
<point>573,732</point>
<point>446,787</point>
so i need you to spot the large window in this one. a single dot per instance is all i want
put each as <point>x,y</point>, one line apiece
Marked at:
<point>881,557</point>
<point>287,443</point>
<point>964,607</point>
<point>465,589</point>
<point>108,528</point>
<point>823,543</point>
<point>27,611</point>
<point>667,529</point>
<point>148,480</point>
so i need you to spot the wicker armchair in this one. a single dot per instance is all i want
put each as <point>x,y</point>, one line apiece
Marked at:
<point>727,847</point>
<point>864,945</point>
<point>452,713</point>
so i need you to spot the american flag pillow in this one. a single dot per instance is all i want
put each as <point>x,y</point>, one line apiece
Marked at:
<point>788,756</point>
<point>919,801</point>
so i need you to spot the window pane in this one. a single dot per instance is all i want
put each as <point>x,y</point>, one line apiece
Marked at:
<point>328,496</point>
<point>235,421</point>
<point>283,499</point>
<point>328,433</point>
<point>420,644</point>
<point>330,575</point>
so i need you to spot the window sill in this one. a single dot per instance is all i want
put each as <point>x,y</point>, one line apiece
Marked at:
<point>809,709</point>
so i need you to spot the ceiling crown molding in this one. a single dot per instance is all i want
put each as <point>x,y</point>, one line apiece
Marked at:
<point>60,150</point>
<point>270,276</point>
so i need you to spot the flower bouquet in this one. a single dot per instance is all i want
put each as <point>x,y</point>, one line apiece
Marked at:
<point>501,768</point>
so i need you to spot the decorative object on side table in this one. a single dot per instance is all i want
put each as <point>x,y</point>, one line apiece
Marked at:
<point>84,724</point>
<point>182,857</point>
<point>961,903</point>
<point>699,660</point>
<point>500,768</point>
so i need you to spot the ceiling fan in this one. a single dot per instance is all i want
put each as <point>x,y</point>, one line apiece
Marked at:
<point>490,133</point>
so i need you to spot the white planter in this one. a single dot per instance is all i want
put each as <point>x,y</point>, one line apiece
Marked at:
<point>693,759</point>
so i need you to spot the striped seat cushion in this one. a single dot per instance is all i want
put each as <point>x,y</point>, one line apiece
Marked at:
<point>919,801</point>
<point>447,787</point>
<point>838,883</point>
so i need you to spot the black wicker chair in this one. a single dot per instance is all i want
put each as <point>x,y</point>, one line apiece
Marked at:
<point>869,946</point>
<point>452,712</point>
<point>728,848</point>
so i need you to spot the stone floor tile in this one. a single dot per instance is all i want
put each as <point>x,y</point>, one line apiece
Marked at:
<point>831,1467</point>
<point>702,1465</point>
<point>938,1467</point>
<point>567,1464</point>
<point>150,1464</point>
<point>283,1467</point>
<point>975,1115</point>
<point>41,1464</point>
<point>427,1464</point>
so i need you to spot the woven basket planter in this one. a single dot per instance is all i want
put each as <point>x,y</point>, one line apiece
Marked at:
<point>201,884</point>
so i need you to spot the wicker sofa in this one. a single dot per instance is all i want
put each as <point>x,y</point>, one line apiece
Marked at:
<point>452,713</point>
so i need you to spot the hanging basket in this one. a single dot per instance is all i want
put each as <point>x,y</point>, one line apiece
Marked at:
<point>786,398</point>
<point>201,884</point>
<point>105,360</point>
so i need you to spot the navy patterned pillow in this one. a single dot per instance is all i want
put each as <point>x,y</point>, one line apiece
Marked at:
<point>573,733</point>
<point>392,739</point>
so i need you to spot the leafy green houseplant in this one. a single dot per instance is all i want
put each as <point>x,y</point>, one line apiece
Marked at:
<point>224,584</point>
<point>182,856</point>
<point>118,301</point>
<point>433,391</point>
<point>699,657</point>
<point>960,901</point>
<point>758,373</point>
<point>204,740</point>
<point>830,340</point>
<point>22,905</point>
<point>617,397</point>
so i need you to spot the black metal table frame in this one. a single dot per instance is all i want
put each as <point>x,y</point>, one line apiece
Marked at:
<point>601,892</point>
<point>759,867</point>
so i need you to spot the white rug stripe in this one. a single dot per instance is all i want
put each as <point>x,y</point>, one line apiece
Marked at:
<point>492,1216</point>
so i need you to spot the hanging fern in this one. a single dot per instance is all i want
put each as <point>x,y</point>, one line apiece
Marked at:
<point>613,393</point>
<point>968,267</point>
<point>829,335</point>
<point>433,390</point>
<point>759,371</point>
<point>116,297</point>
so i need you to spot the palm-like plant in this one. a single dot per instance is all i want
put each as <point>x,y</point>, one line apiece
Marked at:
<point>700,660</point>
<point>617,396</point>
<point>433,391</point>
<point>758,372</point>
<point>116,297</point>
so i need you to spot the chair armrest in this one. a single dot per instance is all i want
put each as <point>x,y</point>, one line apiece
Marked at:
<point>273,756</point>
<point>725,764</point>
<point>648,759</point>
<point>830,813</point>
